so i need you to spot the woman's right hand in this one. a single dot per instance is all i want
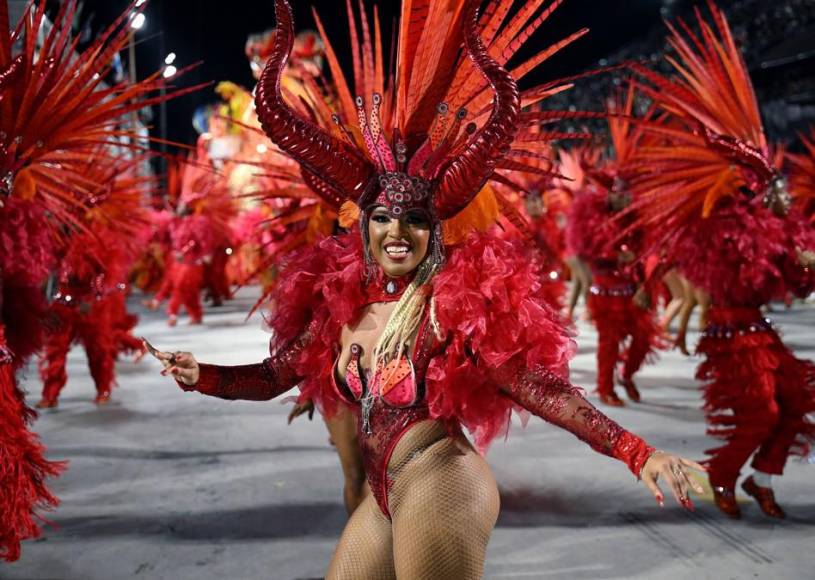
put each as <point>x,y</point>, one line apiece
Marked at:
<point>182,366</point>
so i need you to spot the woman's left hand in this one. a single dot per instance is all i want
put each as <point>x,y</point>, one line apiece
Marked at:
<point>674,471</point>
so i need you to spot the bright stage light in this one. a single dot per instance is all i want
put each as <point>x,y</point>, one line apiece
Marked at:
<point>170,71</point>
<point>170,58</point>
<point>137,22</point>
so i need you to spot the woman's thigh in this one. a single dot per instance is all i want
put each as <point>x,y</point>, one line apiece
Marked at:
<point>444,505</point>
<point>365,549</point>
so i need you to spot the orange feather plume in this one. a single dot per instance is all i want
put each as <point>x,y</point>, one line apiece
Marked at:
<point>706,140</point>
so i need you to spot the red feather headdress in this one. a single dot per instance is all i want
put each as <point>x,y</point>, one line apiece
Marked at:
<point>433,131</point>
<point>708,139</point>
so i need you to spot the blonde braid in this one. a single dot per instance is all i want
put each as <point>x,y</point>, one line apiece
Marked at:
<point>405,319</point>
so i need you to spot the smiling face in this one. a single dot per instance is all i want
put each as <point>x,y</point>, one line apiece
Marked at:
<point>398,245</point>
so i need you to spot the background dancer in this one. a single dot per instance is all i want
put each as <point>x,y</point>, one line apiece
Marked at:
<point>713,201</point>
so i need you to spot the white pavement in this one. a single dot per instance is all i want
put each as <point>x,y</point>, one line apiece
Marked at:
<point>165,484</point>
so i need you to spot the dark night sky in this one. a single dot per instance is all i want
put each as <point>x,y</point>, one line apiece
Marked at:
<point>214,31</point>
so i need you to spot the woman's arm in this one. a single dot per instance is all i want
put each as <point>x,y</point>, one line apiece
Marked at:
<point>557,401</point>
<point>254,382</point>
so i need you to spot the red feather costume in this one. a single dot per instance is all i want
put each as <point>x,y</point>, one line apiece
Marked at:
<point>594,232</point>
<point>83,311</point>
<point>715,205</point>
<point>88,305</point>
<point>532,219</point>
<point>26,253</point>
<point>487,343</point>
<point>199,229</point>
<point>597,234</point>
<point>55,112</point>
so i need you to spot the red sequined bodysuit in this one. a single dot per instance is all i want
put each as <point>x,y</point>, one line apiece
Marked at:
<point>395,401</point>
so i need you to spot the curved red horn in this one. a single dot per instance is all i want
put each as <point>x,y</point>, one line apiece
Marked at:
<point>743,153</point>
<point>465,175</point>
<point>338,164</point>
<point>326,192</point>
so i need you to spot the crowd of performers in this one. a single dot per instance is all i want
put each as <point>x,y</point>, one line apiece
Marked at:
<point>423,233</point>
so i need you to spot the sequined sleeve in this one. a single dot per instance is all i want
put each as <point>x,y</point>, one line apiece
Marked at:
<point>254,382</point>
<point>557,401</point>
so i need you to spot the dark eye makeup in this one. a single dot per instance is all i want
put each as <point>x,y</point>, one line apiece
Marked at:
<point>416,218</point>
<point>413,218</point>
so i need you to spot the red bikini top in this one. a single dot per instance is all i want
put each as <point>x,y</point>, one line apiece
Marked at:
<point>395,383</point>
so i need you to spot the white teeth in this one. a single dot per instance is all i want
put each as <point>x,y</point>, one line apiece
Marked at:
<point>397,250</point>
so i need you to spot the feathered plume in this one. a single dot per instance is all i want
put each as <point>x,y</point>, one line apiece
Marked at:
<point>710,140</point>
<point>450,112</point>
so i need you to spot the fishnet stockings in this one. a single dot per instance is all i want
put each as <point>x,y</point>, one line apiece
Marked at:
<point>444,503</point>
<point>365,549</point>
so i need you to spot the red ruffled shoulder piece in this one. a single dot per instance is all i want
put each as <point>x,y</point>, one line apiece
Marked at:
<point>488,301</point>
<point>589,228</point>
<point>743,254</point>
<point>321,290</point>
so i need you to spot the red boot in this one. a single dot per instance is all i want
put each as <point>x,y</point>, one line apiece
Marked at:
<point>102,398</point>
<point>725,499</point>
<point>765,498</point>
<point>630,389</point>
<point>46,403</point>
<point>611,399</point>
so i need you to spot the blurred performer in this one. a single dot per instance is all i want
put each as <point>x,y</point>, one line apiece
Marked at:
<point>619,303</point>
<point>191,248</point>
<point>548,237</point>
<point>200,227</point>
<point>147,273</point>
<point>715,204</point>
<point>573,166</point>
<point>47,132</point>
<point>88,304</point>
<point>525,201</point>
<point>85,310</point>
